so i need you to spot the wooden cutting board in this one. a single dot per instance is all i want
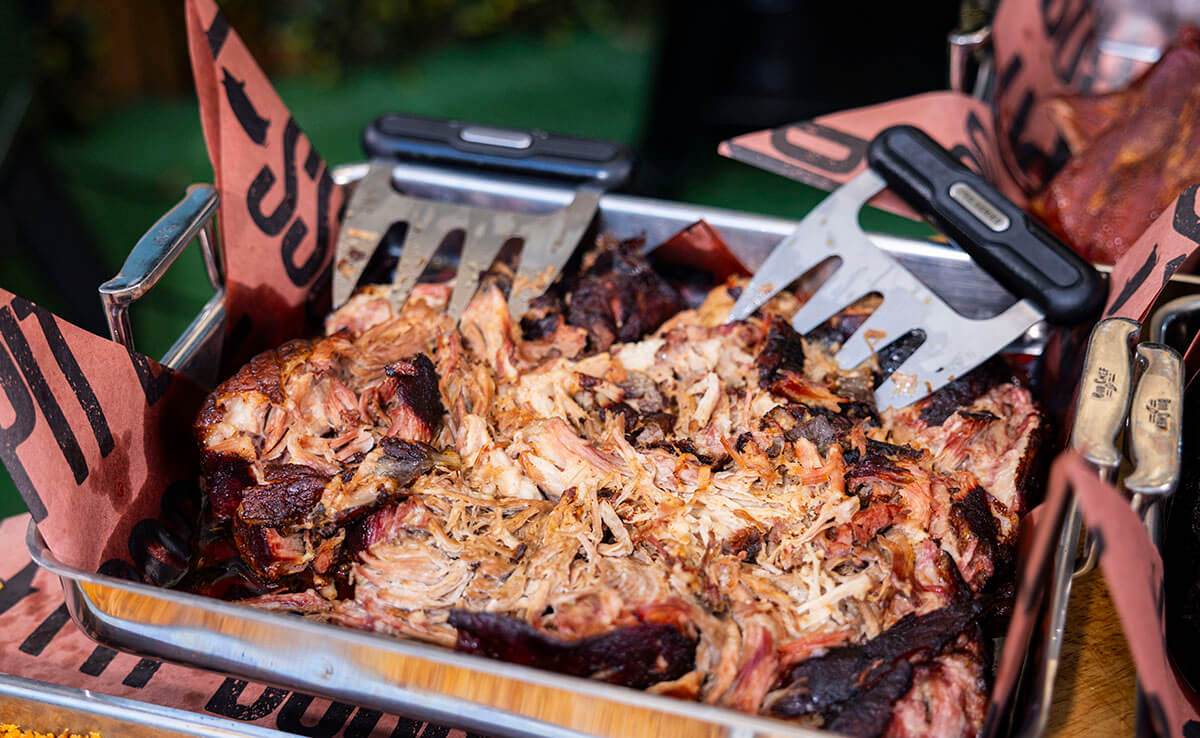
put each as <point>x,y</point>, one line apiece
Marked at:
<point>1094,694</point>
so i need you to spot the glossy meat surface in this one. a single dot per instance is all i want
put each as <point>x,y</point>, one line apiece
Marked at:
<point>1134,151</point>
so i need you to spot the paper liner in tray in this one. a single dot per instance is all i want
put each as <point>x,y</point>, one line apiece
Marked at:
<point>98,438</point>
<point>92,435</point>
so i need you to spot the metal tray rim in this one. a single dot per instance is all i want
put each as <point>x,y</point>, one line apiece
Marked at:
<point>405,648</point>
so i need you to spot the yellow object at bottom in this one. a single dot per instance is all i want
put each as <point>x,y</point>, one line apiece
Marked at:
<point>7,730</point>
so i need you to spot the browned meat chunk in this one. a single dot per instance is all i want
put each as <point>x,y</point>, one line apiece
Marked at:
<point>635,655</point>
<point>289,495</point>
<point>782,353</point>
<point>227,476</point>
<point>270,553</point>
<point>853,687</point>
<point>415,407</point>
<point>619,298</point>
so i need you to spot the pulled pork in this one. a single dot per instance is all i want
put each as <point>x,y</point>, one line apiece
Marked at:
<point>652,498</point>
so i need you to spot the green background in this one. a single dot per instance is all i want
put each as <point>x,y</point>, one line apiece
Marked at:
<point>134,162</point>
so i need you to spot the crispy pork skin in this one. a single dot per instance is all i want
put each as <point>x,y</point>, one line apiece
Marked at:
<point>616,488</point>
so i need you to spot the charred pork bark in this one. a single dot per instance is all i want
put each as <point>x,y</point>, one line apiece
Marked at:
<point>878,672</point>
<point>226,477</point>
<point>972,520</point>
<point>780,364</point>
<point>973,512</point>
<point>543,318</point>
<point>289,495</point>
<point>817,424</point>
<point>407,460</point>
<point>960,392</point>
<point>872,708</point>
<point>620,298</point>
<point>269,552</point>
<point>745,544</point>
<point>782,352</point>
<point>881,463</point>
<point>417,410</point>
<point>636,656</point>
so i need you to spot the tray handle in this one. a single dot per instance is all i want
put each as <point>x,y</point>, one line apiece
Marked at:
<point>191,219</point>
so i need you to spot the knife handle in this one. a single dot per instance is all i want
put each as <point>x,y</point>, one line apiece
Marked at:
<point>512,151</point>
<point>1003,239</point>
<point>1155,430</point>
<point>1105,388</point>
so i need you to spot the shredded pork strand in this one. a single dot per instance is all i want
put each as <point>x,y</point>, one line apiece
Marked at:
<point>681,479</point>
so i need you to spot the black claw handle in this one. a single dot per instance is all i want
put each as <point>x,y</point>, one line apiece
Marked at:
<point>534,153</point>
<point>1001,237</point>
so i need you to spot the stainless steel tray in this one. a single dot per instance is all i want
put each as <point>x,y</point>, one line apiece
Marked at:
<point>413,678</point>
<point>39,706</point>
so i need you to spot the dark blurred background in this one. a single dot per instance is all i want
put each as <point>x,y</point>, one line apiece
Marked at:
<point>99,131</point>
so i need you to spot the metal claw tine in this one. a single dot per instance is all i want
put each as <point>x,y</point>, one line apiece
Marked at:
<point>576,217</point>
<point>548,239</point>
<point>785,265</point>
<point>831,229</point>
<point>426,231</point>
<point>482,241</point>
<point>864,269</point>
<point>527,283</point>
<point>890,394</point>
<point>892,319</point>
<point>836,293</point>
<point>952,347</point>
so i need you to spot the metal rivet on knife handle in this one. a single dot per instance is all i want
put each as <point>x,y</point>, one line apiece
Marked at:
<point>1155,421</point>
<point>1104,392</point>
